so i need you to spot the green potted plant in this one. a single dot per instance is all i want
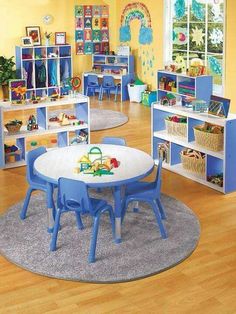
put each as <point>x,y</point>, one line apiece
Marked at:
<point>6,73</point>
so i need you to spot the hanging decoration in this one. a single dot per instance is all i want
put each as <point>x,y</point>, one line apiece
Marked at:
<point>179,9</point>
<point>197,36</point>
<point>198,10</point>
<point>132,11</point>
<point>217,12</point>
<point>215,65</point>
<point>180,35</point>
<point>216,36</point>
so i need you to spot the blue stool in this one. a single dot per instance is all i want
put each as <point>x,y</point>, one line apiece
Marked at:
<point>108,85</point>
<point>35,183</point>
<point>92,84</point>
<point>149,193</point>
<point>73,196</point>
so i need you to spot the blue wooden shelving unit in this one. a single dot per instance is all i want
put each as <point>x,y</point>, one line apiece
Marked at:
<point>216,162</point>
<point>79,106</point>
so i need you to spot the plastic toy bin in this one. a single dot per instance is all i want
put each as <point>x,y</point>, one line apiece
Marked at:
<point>135,92</point>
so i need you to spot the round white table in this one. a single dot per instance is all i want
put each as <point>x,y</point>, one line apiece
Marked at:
<point>134,165</point>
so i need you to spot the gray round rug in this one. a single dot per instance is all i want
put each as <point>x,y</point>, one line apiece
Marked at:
<point>101,119</point>
<point>142,252</point>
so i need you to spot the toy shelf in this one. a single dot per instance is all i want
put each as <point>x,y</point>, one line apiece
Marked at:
<point>182,85</point>
<point>49,134</point>
<point>55,64</point>
<point>113,62</point>
<point>216,162</point>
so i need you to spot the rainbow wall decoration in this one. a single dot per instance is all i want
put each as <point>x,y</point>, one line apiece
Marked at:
<point>132,11</point>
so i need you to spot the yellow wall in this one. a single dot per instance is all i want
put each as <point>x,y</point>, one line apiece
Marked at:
<point>15,15</point>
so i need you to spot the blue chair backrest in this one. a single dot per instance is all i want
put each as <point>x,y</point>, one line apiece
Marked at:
<point>108,81</point>
<point>114,141</point>
<point>92,80</point>
<point>73,191</point>
<point>158,178</point>
<point>30,159</point>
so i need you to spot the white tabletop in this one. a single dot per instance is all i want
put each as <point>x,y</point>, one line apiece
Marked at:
<point>134,165</point>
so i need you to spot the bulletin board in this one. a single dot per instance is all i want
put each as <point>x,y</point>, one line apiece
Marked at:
<point>91,29</point>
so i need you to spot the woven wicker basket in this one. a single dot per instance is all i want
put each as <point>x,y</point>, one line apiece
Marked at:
<point>193,164</point>
<point>212,141</point>
<point>176,128</point>
<point>13,128</point>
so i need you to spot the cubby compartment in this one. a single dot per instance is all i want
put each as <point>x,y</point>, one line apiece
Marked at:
<point>186,86</point>
<point>215,170</point>
<point>65,51</point>
<point>52,70</point>
<point>40,53</point>
<point>14,152</point>
<point>167,82</point>
<point>78,137</point>
<point>40,73</point>
<point>27,53</point>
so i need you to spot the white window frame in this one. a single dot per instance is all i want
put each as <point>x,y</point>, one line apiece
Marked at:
<point>167,42</point>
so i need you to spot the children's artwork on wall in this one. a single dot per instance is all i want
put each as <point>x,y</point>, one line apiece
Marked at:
<point>219,106</point>
<point>91,29</point>
<point>132,11</point>
<point>214,65</point>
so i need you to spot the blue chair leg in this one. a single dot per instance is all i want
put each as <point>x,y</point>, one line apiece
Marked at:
<point>26,203</point>
<point>93,244</point>
<point>79,221</point>
<point>86,93</point>
<point>53,244</point>
<point>161,208</point>
<point>112,220</point>
<point>159,221</point>
<point>116,93</point>
<point>101,94</point>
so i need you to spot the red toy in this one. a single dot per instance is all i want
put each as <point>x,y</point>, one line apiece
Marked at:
<point>114,162</point>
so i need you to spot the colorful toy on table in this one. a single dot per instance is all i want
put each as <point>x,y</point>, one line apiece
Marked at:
<point>35,99</point>
<point>32,123</point>
<point>97,165</point>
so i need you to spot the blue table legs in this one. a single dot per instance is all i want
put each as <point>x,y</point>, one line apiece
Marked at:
<point>51,207</point>
<point>118,209</point>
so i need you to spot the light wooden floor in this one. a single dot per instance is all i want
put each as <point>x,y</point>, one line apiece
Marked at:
<point>204,283</point>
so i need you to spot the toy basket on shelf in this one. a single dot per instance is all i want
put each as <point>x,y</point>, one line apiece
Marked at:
<point>176,126</point>
<point>13,126</point>
<point>193,161</point>
<point>210,137</point>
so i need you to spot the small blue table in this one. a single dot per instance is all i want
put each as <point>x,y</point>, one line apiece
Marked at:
<point>134,165</point>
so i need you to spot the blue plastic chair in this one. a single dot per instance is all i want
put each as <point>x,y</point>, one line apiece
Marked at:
<point>108,85</point>
<point>73,196</point>
<point>92,84</point>
<point>149,193</point>
<point>114,141</point>
<point>35,183</point>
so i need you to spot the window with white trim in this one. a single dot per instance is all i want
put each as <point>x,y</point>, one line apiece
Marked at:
<point>194,33</point>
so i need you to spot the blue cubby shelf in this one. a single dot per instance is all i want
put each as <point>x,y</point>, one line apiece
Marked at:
<point>80,107</point>
<point>57,61</point>
<point>216,162</point>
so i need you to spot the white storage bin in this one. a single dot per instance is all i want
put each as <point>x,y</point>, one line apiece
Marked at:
<point>135,92</point>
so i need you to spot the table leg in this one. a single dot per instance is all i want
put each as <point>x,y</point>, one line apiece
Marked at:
<point>51,207</point>
<point>117,199</point>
